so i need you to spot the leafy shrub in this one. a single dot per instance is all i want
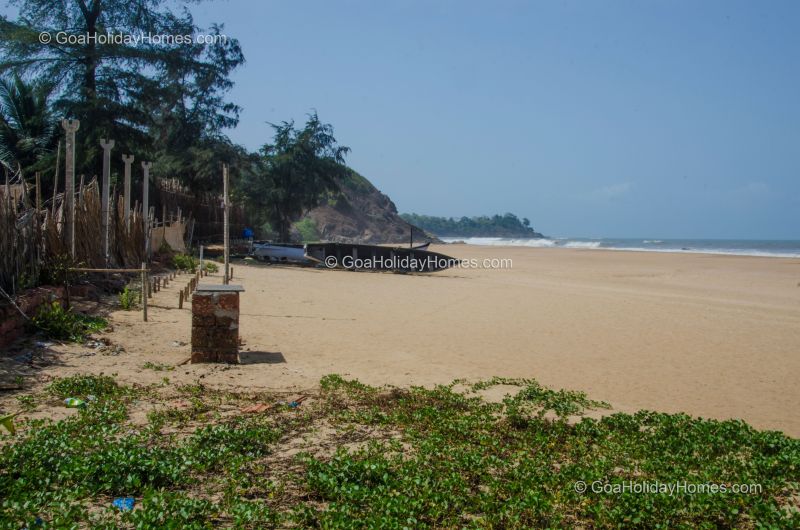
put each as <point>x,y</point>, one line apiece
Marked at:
<point>307,229</point>
<point>210,266</point>
<point>184,262</point>
<point>535,401</point>
<point>83,385</point>
<point>164,509</point>
<point>64,324</point>
<point>158,367</point>
<point>129,298</point>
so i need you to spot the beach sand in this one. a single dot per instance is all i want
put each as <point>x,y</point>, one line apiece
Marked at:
<point>709,335</point>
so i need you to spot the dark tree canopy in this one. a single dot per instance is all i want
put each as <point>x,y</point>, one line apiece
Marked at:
<point>295,172</point>
<point>163,92</point>
<point>507,225</point>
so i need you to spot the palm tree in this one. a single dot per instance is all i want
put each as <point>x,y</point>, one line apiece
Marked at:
<point>28,130</point>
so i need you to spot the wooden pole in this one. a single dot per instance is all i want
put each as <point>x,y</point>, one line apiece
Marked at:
<point>107,146</point>
<point>146,206</point>
<point>180,300</point>
<point>145,285</point>
<point>70,126</point>
<point>226,235</point>
<point>126,216</point>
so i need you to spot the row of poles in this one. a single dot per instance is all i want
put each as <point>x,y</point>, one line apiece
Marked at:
<point>70,127</point>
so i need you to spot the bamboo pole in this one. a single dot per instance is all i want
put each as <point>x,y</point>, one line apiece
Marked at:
<point>86,269</point>
<point>146,206</point>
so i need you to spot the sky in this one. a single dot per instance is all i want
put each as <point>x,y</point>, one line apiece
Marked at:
<point>669,119</point>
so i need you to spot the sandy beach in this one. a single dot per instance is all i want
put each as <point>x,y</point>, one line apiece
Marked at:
<point>710,335</point>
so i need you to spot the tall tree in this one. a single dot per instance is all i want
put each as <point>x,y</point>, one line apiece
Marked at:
<point>297,169</point>
<point>128,69</point>
<point>27,127</point>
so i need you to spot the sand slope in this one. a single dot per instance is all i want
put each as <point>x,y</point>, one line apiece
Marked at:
<point>714,336</point>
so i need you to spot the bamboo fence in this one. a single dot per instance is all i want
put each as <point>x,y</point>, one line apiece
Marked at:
<point>32,235</point>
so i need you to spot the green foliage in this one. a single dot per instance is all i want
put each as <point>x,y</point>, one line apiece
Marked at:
<point>56,270</point>
<point>507,225</point>
<point>536,401</point>
<point>83,385</point>
<point>464,462</point>
<point>28,129</point>
<point>164,509</point>
<point>158,367</point>
<point>27,402</point>
<point>129,298</point>
<point>210,266</point>
<point>295,173</point>
<point>308,230</point>
<point>184,262</point>
<point>357,182</point>
<point>163,98</point>
<point>406,458</point>
<point>64,324</point>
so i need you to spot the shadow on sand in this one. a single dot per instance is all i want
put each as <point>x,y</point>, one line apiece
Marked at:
<point>261,357</point>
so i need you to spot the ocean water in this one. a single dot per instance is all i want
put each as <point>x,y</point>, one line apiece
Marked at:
<point>739,247</point>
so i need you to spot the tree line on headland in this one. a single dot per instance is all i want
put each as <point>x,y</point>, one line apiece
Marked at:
<point>507,225</point>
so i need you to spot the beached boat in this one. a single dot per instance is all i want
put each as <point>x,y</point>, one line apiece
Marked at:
<point>375,257</point>
<point>282,253</point>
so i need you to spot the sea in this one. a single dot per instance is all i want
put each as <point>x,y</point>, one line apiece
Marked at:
<point>737,247</point>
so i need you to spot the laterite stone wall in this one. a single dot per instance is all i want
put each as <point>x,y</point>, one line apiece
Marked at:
<point>215,325</point>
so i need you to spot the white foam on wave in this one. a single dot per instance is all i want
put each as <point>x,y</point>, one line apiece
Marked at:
<point>566,243</point>
<point>717,251</point>
<point>582,244</point>
<point>503,241</point>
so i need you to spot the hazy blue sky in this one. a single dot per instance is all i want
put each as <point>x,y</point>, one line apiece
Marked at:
<point>592,118</point>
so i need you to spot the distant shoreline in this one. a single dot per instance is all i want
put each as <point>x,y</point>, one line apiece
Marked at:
<point>724,247</point>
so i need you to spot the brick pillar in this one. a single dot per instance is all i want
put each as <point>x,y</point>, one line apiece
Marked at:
<point>215,324</point>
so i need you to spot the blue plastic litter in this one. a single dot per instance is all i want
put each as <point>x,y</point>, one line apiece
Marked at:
<point>37,522</point>
<point>125,504</point>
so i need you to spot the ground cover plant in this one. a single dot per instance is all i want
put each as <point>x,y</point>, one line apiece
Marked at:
<point>184,262</point>
<point>129,298</point>
<point>355,456</point>
<point>58,323</point>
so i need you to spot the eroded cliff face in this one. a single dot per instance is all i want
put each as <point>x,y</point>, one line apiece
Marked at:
<point>362,214</point>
